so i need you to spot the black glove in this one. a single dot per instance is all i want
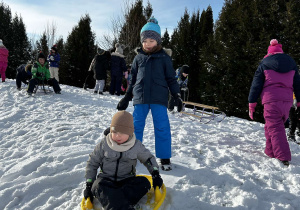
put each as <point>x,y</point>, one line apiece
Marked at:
<point>156,179</point>
<point>124,102</point>
<point>178,102</point>
<point>39,74</point>
<point>88,191</point>
<point>107,131</point>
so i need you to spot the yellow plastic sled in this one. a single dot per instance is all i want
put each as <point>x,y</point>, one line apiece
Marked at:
<point>159,197</point>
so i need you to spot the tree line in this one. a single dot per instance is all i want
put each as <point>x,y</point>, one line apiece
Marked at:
<point>222,55</point>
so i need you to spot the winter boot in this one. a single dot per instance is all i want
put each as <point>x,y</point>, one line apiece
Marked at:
<point>101,93</point>
<point>95,92</point>
<point>166,164</point>
<point>285,162</point>
<point>291,137</point>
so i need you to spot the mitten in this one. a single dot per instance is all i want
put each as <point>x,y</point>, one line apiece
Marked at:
<point>156,179</point>
<point>124,102</point>
<point>252,109</point>
<point>88,191</point>
<point>178,102</point>
<point>38,74</point>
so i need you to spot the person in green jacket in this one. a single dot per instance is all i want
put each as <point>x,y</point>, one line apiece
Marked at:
<point>41,75</point>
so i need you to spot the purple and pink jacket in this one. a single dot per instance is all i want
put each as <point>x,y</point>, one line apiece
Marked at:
<point>275,80</point>
<point>3,54</point>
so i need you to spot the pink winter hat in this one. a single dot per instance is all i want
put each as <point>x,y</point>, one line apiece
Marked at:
<point>274,48</point>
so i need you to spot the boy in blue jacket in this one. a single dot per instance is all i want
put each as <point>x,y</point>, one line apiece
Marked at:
<point>152,76</point>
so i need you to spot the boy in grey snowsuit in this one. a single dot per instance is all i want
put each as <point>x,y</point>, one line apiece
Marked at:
<point>117,186</point>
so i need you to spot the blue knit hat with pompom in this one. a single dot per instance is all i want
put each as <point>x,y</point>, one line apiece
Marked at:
<point>151,30</point>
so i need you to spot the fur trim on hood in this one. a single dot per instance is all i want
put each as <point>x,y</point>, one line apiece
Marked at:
<point>167,50</point>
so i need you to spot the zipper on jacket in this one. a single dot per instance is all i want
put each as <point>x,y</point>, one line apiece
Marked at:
<point>117,166</point>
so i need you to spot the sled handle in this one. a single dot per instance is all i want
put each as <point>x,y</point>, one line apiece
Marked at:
<point>160,195</point>
<point>86,204</point>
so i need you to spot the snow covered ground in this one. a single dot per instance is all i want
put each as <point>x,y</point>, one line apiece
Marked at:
<point>45,142</point>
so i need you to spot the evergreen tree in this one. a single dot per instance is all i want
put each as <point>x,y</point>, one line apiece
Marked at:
<point>189,48</point>
<point>206,79</point>
<point>135,19</point>
<point>180,41</point>
<point>239,48</point>
<point>20,53</point>
<point>166,40</point>
<point>5,25</point>
<point>42,44</point>
<point>79,50</point>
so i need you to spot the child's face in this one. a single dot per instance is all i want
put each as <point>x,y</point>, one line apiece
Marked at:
<point>148,44</point>
<point>118,137</point>
<point>184,74</point>
<point>41,61</point>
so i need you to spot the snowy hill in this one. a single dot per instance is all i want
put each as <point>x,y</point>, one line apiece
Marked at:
<point>45,142</point>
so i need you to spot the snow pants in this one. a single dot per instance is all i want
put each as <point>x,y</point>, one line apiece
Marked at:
<point>54,73</point>
<point>162,130</point>
<point>275,114</point>
<point>3,66</point>
<point>99,85</point>
<point>115,85</point>
<point>122,195</point>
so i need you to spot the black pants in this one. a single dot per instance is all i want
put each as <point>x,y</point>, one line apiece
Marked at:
<point>115,85</point>
<point>52,82</point>
<point>22,76</point>
<point>122,195</point>
<point>294,121</point>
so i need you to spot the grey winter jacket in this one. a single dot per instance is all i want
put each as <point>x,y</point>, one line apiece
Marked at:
<point>118,165</point>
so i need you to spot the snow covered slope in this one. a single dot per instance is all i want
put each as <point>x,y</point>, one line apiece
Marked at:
<point>45,142</point>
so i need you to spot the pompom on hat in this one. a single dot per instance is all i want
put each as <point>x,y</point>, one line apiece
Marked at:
<point>54,48</point>
<point>274,48</point>
<point>122,122</point>
<point>41,55</point>
<point>119,48</point>
<point>151,30</point>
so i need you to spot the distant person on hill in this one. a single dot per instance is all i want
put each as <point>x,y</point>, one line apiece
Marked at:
<point>116,186</point>
<point>118,67</point>
<point>182,74</point>
<point>294,121</point>
<point>274,81</point>
<point>23,74</point>
<point>152,76</point>
<point>3,60</point>
<point>41,75</point>
<point>99,66</point>
<point>53,59</point>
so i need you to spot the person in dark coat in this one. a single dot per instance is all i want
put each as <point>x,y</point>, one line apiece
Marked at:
<point>118,67</point>
<point>23,74</point>
<point>99,66</point>
<point>116,186</point>
<point>182,79</point>
<point>152,77</point>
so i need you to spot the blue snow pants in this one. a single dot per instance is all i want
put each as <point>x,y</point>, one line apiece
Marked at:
<point>162,130</point>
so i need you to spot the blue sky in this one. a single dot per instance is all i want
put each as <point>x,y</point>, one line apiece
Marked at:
<point>65,15</point>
